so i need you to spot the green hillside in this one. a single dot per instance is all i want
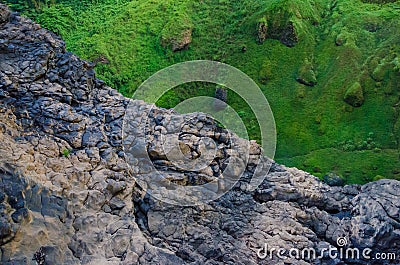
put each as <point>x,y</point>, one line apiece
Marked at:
<point>329,69</point>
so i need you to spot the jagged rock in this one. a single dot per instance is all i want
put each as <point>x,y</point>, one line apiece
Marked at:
<point>286,33</point>
<point>5,229</point>
<point>4,14</point>
<point>279,23</point>
<point>86,208</point>
<point>52,255</point>
<point>289,35</point>
<point>116,203</point>
<point>116,187</point>
<point>21,215</point>
<point>333,180</point>
<point>183,42</point>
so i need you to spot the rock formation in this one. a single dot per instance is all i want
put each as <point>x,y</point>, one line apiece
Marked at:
<point>177,33</point>
<point>354,95</point>
<point>67,195</point>
<point>221,95</point>
<point>306,74</point>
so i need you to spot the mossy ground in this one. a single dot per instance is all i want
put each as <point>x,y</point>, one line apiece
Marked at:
<point>345,41</point>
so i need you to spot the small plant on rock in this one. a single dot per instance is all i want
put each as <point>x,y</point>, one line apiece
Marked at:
<point>66,152</point>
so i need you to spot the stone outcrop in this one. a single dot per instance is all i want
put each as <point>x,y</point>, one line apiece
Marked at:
<point>285,33</point>
<point>306,74</point>
<point>67,195</point>
<point>178,43</point>
<point>262,31</point>
<point>354,95</point>
<point>177,33</point>
<point>221,95</point>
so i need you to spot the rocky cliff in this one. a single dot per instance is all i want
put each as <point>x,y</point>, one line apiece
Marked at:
<point>67,195</point>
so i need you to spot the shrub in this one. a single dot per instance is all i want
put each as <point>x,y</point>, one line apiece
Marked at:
<point>66,152</point>
<point>57,18</point>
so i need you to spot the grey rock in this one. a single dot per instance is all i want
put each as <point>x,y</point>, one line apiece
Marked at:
<point>333,180</point>
<point>53,255</point>
<point>20,215</point>
<point>5,228</point>
<point>4,14</point>
<point>85,206</point>
<point>116,203</point>
<point>116,187</point>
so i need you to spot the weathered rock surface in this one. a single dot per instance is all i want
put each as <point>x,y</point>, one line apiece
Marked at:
<point>67,195</point>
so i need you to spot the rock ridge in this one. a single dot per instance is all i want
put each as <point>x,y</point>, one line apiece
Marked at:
<point>67,195</point>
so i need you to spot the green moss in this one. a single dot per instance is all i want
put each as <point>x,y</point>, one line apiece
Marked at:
<point>309,121</point>
<point>57,18</point>
<point>354,95</point>
<point>378,177</point>
<point>177,33</point>
<point>345,38</point>
<point>354,167</point>
<point>306,74</point>
<point>301,92</point>
<point>379,1</point>
<point>381,72</point>
<point>266,71</point>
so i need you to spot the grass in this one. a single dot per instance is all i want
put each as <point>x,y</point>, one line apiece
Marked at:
<point>344,42</point>
<point>375,164</point>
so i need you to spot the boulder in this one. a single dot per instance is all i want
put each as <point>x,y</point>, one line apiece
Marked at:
<point>177,33</point>
<point>179,42</point>
<point>4,14</point>
<point>333,180</point>
<point>306,75</point>
<point>221,95</point>
<point>354,95</point>
<point>285,32</point>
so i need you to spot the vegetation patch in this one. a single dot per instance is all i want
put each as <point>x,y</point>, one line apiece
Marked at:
<point>306,75</point>
<point>344,48</point>
<point>177,33</point>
